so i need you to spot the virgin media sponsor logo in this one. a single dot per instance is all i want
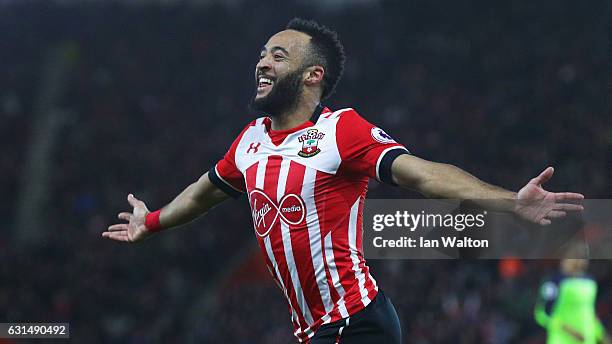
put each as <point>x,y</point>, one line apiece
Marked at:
<point>290,209</point>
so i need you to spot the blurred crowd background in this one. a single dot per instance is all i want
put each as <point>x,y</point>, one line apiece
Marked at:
<point>100,99</point>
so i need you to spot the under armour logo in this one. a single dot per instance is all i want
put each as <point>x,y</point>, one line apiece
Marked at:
<point>254,147</point>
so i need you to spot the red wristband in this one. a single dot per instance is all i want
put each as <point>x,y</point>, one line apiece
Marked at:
<point>152,221</point>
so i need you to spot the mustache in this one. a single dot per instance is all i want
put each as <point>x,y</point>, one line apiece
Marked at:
<point>265,75</point>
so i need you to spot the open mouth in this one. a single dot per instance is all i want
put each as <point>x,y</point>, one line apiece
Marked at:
<point>264,84</point>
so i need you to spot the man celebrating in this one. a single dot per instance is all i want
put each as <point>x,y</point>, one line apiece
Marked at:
<point>305,170</point>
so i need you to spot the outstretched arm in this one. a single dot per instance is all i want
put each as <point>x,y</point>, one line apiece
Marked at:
<point>437,180</point>
<point>194,201</point>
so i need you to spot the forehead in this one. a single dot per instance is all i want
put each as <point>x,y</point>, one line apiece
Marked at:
<point>293,41</point>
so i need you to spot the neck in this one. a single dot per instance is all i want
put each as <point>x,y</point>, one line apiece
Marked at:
<point>294,117</point>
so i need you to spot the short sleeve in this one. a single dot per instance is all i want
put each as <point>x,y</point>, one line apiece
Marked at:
<point>365,149</point>
<point>225,175</point>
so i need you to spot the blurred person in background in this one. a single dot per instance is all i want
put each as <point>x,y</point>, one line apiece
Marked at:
<point>566,304</point>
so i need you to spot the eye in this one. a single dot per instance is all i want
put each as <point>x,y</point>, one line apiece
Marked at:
<point>278,57</point>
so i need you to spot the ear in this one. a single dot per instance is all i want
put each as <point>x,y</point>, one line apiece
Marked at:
<point>313,75</point>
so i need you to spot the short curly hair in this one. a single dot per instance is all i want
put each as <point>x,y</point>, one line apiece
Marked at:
<point>326,51</point>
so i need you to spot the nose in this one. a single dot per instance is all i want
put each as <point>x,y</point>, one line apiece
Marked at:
<point>263,65</point>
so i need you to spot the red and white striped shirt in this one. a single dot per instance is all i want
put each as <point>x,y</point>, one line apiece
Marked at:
<point>306,187</point>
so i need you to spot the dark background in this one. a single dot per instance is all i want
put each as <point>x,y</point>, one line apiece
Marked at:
<point>100,99</point>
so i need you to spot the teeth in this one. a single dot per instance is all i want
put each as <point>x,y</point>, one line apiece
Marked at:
<point>265,81</point>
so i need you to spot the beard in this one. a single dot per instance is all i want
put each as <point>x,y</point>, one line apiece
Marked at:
<point>283,97</point>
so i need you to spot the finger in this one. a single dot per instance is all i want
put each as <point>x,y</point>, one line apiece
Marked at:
<point>118,227</point>
<point>114,233</point>
<point>545,222</point>
<point>134,202</point>
<point>568,196</point>
<point>115,236</point>
<point>555,214</point>
<point>569,207</point>
<point>544,176</point>
<point>125,216</point>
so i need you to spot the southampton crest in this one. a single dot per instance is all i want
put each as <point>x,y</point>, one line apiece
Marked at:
<point>310,142</point>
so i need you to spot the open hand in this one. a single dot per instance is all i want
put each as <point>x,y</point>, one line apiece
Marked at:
<point>135,229</point>
<point>540,206</point>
